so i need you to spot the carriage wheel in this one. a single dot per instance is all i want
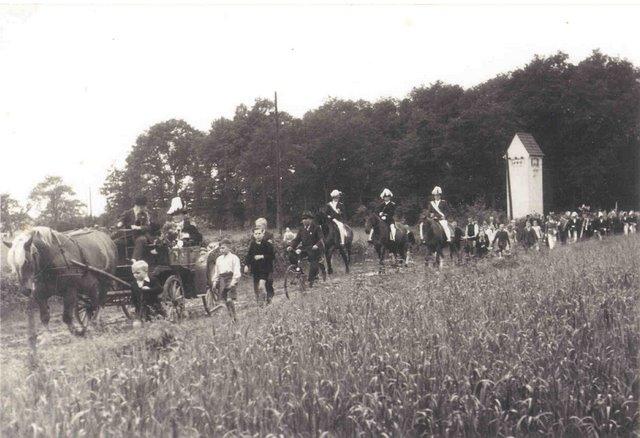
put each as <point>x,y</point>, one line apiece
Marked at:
<point>83,311</point>
<point>210,302</point>
<point>173,292</point>
<point>294,279</point>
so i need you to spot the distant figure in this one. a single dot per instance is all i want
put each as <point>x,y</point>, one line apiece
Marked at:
<point>455,248</point>
<point>470,236</point>
<point>529,237</point>
<point>502,237</point>
<point>482,244</point>
<point>288,236</point>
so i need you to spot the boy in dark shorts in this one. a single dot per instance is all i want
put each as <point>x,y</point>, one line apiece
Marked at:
<point>259,260</point>
<point>502,236</point>
<point>225,276</point>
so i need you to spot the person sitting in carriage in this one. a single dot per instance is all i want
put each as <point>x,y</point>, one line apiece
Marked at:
<point>386,211</point>
<point>311,240</point>
<point>137,222</point>
<point>188,234</point>
<point>440,210</point>
<point>335,212</point>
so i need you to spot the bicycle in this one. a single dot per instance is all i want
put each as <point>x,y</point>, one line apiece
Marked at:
<point>295,276</point>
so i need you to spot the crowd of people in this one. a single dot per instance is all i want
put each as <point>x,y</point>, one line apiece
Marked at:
<point>473,239</point>
<point>537,230</point>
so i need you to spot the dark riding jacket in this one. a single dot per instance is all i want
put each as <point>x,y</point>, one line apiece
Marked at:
<point>307,237</point>
<point>386,212</point>
<point>128,218</point>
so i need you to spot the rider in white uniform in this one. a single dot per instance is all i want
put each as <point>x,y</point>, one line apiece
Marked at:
<point>336,212</point>
<point>440,210</point>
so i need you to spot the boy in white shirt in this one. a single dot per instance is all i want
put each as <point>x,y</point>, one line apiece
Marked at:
<point>225,276</point>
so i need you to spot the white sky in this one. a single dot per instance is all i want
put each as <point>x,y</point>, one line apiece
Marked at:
<point>79,83</point>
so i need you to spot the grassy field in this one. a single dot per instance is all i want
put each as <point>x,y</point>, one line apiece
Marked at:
<point>543,344</point>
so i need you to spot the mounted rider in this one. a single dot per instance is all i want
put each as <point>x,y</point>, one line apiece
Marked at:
<point>336,212</point>
<point>386,211</point>
<point>440,210</point>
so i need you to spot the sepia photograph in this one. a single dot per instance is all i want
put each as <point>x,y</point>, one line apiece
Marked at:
<point>320,219</point>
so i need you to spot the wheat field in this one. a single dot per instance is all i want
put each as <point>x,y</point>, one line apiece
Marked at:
<point>538,344</point>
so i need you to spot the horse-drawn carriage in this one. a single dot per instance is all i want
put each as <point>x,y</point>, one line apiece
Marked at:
<point>181,271</point>
<point>89,270</point>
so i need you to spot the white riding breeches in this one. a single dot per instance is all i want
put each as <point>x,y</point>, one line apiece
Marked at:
<point>342,230</point>
<point>447,230</point>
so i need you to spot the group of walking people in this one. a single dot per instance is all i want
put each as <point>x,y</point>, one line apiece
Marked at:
<point>473,239</point>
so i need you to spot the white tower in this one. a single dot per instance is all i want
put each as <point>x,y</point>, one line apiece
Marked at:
<point>524,176</point>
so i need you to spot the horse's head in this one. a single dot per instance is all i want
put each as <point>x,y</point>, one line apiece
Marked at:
<point>23,258</point>
<point>370,222</point>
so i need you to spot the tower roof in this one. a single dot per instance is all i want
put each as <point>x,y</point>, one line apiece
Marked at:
<point>530,144</point>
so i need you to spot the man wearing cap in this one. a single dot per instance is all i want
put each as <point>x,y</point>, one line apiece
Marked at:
<point>138,220</point>
<point>311,240</point>
<point>386,211</point>
<point>188,234</point>
<point>440,210</point>
<point>335,212</point>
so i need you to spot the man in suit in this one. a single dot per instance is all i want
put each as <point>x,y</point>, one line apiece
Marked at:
<point>134,223</point>
<point>335,212</point>
<point>440,210</point>
<point>311,241</point>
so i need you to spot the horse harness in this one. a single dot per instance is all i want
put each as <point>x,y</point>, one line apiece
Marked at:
<point>50,273</point>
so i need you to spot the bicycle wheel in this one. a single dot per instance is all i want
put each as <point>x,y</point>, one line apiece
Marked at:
<point>210,302</point>
<point>293,280</point>
<point>174,297</point>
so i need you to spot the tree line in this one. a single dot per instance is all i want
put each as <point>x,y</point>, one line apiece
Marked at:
<point>585,116</point>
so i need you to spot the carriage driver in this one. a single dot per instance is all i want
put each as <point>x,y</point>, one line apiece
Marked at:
<point>335,211</point>
<point>440,210</point>
<point>386,211</point>
<point>137,219</point>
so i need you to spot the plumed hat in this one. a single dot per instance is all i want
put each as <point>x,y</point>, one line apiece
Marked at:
<point>436,191</point>
<point>176,206</point>
<point>386,192</point>
<point>335,193</point>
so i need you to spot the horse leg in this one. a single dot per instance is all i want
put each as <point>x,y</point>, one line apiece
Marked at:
<point>69,301</point>
<point>328,256</point>
<point>345,259</point>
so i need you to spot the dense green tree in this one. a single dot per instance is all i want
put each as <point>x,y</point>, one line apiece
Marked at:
<point>585,116</point>
<point>13,216</point>
<point>56,203</point>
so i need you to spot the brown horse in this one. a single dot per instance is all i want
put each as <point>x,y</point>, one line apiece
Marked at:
<point>435,239</point>
<point>383,243</point>
<point>43,261</point>
<point>332,241</point>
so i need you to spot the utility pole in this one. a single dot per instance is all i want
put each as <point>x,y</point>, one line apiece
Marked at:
<point>90,206</point>
<point>278,174</point>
